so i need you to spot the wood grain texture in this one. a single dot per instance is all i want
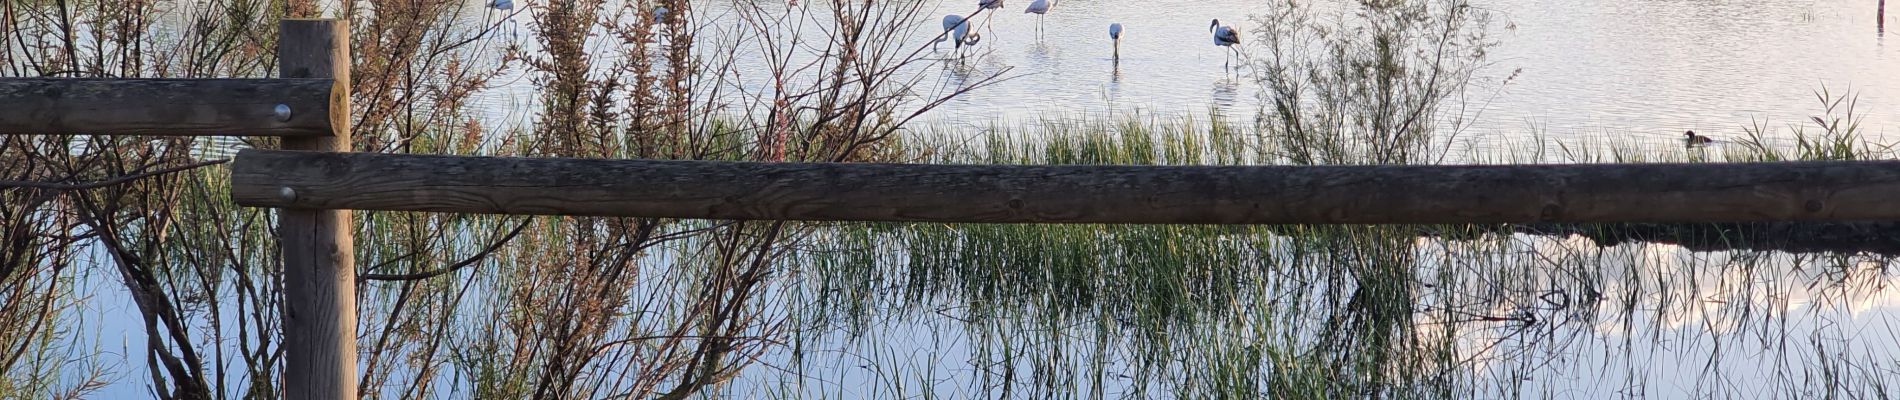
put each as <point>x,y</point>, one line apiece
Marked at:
<point>168,107</point>
<point>1073,194</point>
<point>319,309</point>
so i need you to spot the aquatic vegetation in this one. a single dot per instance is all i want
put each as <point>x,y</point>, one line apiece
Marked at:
<point>513,307</point>
<point>1078,311</point>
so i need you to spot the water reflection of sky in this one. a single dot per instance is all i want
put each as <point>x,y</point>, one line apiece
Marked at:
<point>1634,320</point>
<point>1670,323</point>
<point>1693,325</point>
<point>1663,322</point>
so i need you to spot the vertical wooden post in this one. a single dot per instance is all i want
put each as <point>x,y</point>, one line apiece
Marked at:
<point>319,309</point>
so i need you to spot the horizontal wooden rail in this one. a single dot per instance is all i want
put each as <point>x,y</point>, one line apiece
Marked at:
<point>169,107</point>
<point>1073,194</point>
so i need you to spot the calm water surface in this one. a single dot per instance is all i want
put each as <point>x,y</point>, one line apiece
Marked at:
<point>1643,70</point>
<point>1673,324</point>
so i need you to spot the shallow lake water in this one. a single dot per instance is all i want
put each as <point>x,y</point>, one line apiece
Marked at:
<point>1685,325</point>
<point>1647,70</point>
<point>1646,320</point>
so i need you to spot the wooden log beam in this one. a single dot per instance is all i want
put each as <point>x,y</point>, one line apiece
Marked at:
<point>319,247</point>
<point>1073,194</point>
<point>166,107</point>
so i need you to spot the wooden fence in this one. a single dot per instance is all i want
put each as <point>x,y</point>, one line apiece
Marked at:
<point>317,181</point>
<point>309,107</point>
<point>1118,194</point>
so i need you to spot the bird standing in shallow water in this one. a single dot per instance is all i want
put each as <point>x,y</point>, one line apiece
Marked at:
<point>957,30</point>
<point>1115,33</point>
<point>991,5</point>
<point>1040,8</point>
<point>505,6</point>
<point>1225,36</point>
<point>1691,139</point>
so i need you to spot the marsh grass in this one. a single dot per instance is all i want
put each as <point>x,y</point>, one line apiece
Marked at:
<point>1149,292</point>
<point>1078,311</point>
<point>450,305</point>
<point>510,307</point>
<point>1329,311</point>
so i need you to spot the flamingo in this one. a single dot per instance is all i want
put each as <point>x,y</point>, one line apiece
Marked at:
<point>505,6</point>
<point>958,31</point>
<point>1040,8</point>
<point>991,5</point>
<point>1225,36</point>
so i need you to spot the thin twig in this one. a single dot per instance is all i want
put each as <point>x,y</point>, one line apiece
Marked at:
<point>491,249</point>
<point>5,184</point>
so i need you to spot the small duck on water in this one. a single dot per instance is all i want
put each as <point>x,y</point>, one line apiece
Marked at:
<point>1692,139</point>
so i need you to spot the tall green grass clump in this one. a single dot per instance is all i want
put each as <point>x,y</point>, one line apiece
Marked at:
<point>1080,311</point>
<point>1364,82</point>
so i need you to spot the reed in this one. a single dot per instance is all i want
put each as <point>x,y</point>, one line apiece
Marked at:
<point>512,307</point>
